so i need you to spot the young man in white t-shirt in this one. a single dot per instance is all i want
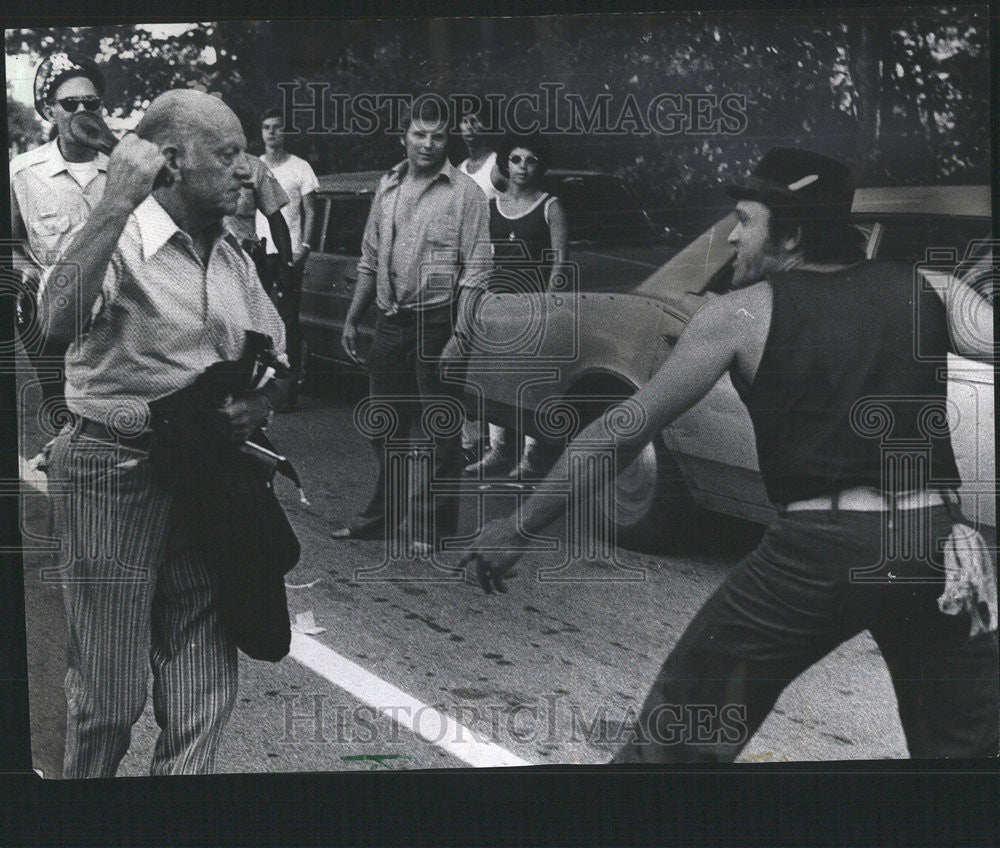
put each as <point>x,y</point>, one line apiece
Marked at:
<point>299,182</point>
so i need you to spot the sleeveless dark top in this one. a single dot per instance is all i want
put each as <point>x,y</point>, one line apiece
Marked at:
<point>848,390</point>
<point>518,249</point>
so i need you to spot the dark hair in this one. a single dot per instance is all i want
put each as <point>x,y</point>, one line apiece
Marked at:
<point>533,141</point>
<point>823,237</point>
<point>428,108</point>
<point>270,113</point>
<point>477,108</point>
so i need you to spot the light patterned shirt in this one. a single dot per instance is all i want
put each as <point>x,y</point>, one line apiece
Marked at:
<point>421,262</point>
<point>162,318</point>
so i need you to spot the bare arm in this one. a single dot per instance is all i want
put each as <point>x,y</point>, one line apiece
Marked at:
<point>559,229</point>
<point>706,350</point>
<point>132,168</point>
<point>365,288</point>
<point>308,216</point>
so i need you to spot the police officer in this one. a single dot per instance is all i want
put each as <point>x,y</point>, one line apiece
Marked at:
<point>53,190</point>
<point>54,187</point>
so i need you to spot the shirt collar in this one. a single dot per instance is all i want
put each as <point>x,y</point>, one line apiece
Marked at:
<point>55,164</point>
<point>397,172</point>
<point>156,228</point>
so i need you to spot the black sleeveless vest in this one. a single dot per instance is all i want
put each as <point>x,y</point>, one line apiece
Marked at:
<point>851,389</point>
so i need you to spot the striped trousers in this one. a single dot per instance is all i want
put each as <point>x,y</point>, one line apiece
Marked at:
<point>139,599</point>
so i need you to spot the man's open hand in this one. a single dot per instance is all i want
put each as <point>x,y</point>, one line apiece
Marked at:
<point>349,340</point>
<point>494,554</point>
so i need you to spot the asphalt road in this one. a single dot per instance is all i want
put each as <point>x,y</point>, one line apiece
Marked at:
<point>549,673</point>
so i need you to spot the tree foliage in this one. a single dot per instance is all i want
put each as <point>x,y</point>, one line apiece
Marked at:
<point>902,95</point>
<point>24,130</point>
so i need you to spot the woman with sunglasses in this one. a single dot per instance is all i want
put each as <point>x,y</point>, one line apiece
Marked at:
<point>529,232</point>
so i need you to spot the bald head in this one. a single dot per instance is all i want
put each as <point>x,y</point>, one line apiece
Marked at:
<point>203,144</point>
<point>175,115</point>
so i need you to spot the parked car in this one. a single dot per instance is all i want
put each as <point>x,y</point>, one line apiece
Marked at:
<point>566,356</point>
<point>614,244</point>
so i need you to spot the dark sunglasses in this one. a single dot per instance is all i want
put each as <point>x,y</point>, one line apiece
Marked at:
<point>528,160</point>
<point>71,104</point>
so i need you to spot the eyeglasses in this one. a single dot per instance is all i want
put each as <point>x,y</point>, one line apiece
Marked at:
<point>515,159</point>
<point>71,104</point>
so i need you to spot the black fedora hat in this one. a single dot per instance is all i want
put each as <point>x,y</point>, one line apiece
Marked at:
<point>802,179</point>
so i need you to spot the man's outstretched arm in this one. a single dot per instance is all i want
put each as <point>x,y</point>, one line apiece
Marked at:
<point>708,347</point>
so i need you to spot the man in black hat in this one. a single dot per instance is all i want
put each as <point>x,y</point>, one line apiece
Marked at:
<point>816,340</point>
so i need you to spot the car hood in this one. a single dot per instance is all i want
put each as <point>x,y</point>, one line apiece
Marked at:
<point>617,268</point>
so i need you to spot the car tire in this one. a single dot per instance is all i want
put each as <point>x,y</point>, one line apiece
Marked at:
<point>652,506</point>
<point>653,509</point>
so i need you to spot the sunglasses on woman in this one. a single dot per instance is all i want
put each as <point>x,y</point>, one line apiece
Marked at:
<point>515,159</point>
<point>71,104</point>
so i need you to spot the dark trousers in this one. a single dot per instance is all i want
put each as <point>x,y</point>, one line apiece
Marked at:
<point>814,582</point>
<point>284,287</point>
<point>405,389</point>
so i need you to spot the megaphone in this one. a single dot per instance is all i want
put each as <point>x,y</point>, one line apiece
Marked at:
<point>89,129</point>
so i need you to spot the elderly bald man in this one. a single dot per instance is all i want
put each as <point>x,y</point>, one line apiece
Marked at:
<point>152,291</point>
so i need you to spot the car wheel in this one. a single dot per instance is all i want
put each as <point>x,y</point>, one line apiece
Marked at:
<point>652,506</point>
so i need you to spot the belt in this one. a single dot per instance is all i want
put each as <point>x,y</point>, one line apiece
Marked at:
<point>96,430</point>
<point>412,315</point>
<point>867,499</point>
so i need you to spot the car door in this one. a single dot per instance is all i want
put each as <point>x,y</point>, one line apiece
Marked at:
<point>331,274</point>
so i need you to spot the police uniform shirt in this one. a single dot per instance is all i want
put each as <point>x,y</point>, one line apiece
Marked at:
<point>50,200</point>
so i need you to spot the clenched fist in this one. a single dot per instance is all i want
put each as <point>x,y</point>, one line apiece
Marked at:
<point>132,168</point>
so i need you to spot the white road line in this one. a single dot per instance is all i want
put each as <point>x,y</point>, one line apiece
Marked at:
<point>437,728</point>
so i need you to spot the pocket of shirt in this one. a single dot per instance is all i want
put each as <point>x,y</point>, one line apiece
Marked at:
<point>443,232</point>
<point>49,229</point>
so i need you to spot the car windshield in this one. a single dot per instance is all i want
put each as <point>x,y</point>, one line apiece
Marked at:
<point>602,211</point>
<point>915,238</point>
